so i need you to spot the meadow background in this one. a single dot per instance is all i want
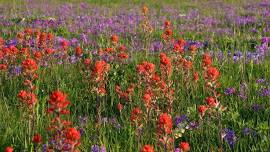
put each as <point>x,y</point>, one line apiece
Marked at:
<point>236,33</point>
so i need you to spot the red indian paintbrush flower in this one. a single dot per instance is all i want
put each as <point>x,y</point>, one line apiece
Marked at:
<point>147,99</point>
<point>28,98</point>
<point>37,138</point>
<point>100,68</point>
<point>146,68</point>
<point>114,38</point>
<point>184,146</point>
<point>195,76</point>
<point>64,44</point>
<point>147,148</point>
<point>167,23</point>
<point>165,63</point>
<point>72,134</point>
<point>212,73</point>
<point>9,149</point>
<point>207,60</point>
<point>168,32</point>
<point>136,114</point>
<point>123,55</point>
<point>202,109</point>
<point>49,51</point>
<point>120,107</point>
<point>145,10</point>
<point>178,48</point>
<point>29,65</point>
<point>181,42</point>
<point>78,51</point>
<point>211,101</point>
<point>165,123</point>
<point>58,101</point>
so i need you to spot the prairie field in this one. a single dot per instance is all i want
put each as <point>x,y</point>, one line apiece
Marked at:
<point>134,76</point>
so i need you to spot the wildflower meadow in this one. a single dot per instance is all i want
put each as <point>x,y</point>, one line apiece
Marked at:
<point>135,76</point>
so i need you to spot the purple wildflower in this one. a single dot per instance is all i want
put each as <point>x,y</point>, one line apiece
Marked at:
<point>229,137</point>
<point>180,119</point>
<point>95,148</point>
<point>229,91</point>
<point>256,107</point>
<point>177,150</point>
<point>260,81</point>
<point>264,92</point>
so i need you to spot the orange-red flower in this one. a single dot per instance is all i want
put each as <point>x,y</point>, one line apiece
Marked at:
<point>78,51</point>
<point>123,55</point>
<point>147,99</point>
<point>147,148</point>
<point>122,48</point>
<point>38,55</point>
<point>100,68</point>
<point>195,76</point>
<point>168,32</point>
<point>211,101</point>
<point>165,123</point>
<point>58,101</point>
<point>29,65</point>
<point>49,51</point>
<point>184,146</point>
<point>28,98</point>
<point>165,63</point>
<point>136,114</point>
<point>64,44</point>
<point>212,73</point>
<point>167,23</point>
<point>50,36</point>
<point>202,109</point>
<point>120,106</point>
<point>73,134</point>
<point>114,38</point>
<point>181,42</point>
<point>145,10</point>
<point>9,149</point>
<point>37,138</point>
<point>146,68</point>
<point>178,48</point>
<point>207,59</point>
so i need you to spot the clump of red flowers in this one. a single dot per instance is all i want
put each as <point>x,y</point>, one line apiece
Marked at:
<point>28,98</point>
<point>99,70</point>
<point>29,65</point>
<point>164,131</point>
<point>165,64</point>
<point>136,115</point>
<point>147,148</point>
<point>184,146</point>
<point>165,123</point>
<point>66,138</point>
<point>58,102</point>
<point>146,68</point>
<point>168,32</point>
